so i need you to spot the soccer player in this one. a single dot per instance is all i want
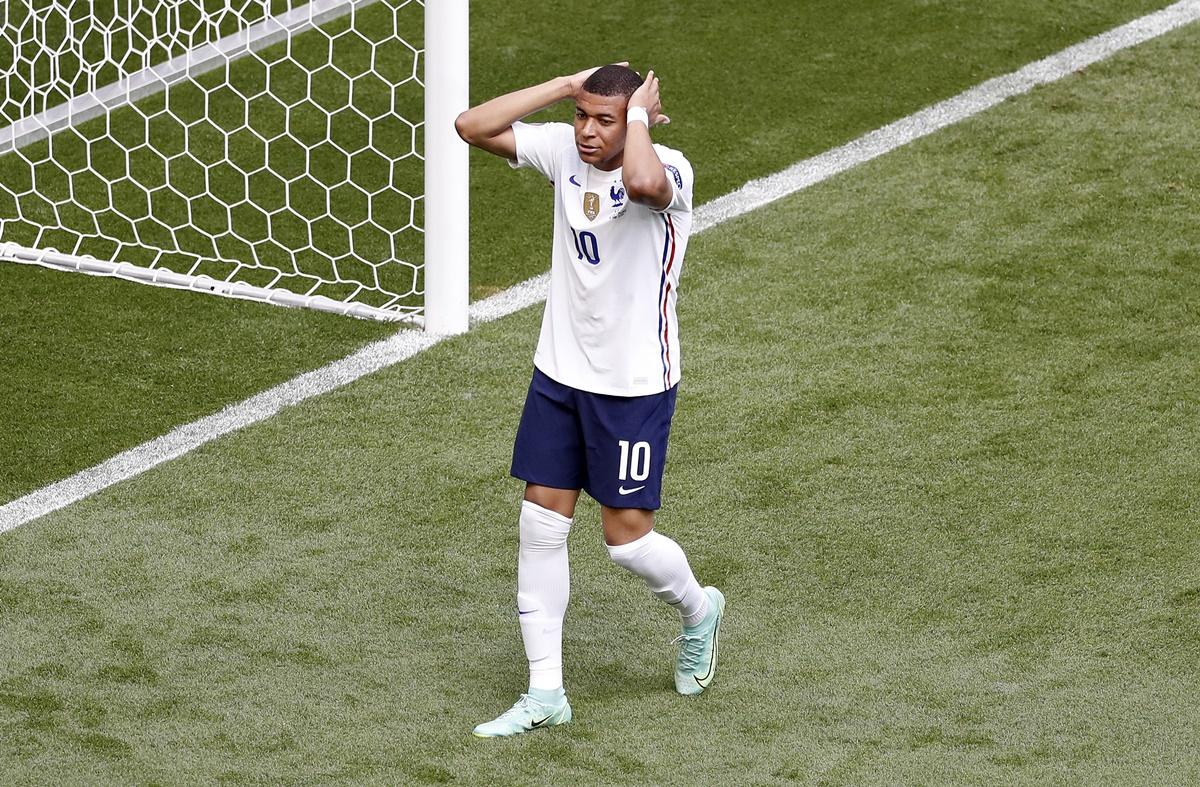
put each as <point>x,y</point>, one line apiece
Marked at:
<point>606,370</point>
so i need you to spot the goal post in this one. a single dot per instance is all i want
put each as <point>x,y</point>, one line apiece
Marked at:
<point>446,159</point>
<point>297,153</point>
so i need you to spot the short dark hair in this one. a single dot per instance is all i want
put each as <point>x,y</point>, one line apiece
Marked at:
<point>613,80</point>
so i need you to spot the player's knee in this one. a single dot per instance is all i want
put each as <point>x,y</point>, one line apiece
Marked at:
<point>541,528</point>
<point>625,525</point>
<point>630,552</point>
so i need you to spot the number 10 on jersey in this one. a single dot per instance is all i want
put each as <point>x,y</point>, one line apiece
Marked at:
<point>585,246</point>
<point>635,464</point>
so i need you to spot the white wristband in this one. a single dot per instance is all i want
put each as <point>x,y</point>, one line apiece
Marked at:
<point>637,113</point>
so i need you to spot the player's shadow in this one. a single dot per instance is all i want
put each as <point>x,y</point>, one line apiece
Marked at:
<point>627,663</point>
<point>629,680</point>
<point>616,634</point>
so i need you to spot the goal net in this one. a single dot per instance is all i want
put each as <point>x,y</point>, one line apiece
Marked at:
<point>266,149</point>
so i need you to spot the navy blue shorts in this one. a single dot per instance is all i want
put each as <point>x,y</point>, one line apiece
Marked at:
<point>613,447</point>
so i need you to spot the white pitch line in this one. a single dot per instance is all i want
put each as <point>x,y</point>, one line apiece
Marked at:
<point>752,195</point>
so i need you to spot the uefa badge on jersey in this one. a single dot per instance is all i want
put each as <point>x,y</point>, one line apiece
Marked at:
<point>591,205</point>
<point>674,174</point>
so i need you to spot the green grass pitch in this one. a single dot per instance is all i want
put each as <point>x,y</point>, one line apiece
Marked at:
<point>741,110</point>
<point>936,441</point>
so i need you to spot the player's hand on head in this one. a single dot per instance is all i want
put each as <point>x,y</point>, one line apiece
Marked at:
<point>576,80</point>
<point>647,98</point>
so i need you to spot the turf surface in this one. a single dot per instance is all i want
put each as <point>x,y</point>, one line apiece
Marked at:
<point>935,442</point>
<point>752,87</point>
<point>77,392</point>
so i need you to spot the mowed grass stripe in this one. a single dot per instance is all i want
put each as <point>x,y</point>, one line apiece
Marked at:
<point>934,441</point>
<point>749,197</point>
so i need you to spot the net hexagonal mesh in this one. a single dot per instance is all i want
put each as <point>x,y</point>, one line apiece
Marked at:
<point>242,140</point>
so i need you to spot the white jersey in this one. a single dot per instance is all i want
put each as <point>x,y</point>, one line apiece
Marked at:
<point>609,325</point>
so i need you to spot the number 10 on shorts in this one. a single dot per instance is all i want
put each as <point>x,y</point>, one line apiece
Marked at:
<point>635,464</point>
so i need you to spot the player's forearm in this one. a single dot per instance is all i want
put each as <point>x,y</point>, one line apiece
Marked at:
<point>645,179</point>
<point>492,118</point>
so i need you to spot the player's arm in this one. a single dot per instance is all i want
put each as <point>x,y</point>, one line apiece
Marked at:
<point>489,125</point>
<point>645,179</point>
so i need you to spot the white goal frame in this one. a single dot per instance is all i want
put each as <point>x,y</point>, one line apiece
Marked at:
<point>446,177</point>
<point>445,197</point>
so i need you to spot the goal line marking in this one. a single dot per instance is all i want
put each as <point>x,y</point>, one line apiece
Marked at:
<point>752,195</point>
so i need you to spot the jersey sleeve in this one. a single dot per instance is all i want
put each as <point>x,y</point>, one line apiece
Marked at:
<point>539,146</point>
<point>679,175</point>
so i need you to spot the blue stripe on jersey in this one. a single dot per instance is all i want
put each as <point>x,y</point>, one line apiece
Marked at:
<point>668,257</point>
<point>663,283</point>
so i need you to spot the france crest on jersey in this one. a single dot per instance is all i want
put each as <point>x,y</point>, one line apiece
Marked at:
<point>609,325</point>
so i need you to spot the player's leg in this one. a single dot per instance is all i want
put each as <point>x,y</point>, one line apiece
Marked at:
<point>634,545</point>
<point>543,589</point>
<point>547,455</point>
<point>627,449</point>
<point>561,501</point>
<point>543,584</point>
<point>662,564</point>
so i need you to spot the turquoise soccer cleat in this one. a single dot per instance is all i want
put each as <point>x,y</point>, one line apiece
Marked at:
<point>526,715</point>
<point>696,663</point>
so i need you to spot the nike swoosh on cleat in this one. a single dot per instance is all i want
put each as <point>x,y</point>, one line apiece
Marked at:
<point>625,491</point>
<point>707,677</point>
<point>525,611</point>
<point>540,723</point>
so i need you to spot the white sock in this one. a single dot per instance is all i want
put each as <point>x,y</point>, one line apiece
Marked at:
<point>660,561</point>
<point>543,588</point>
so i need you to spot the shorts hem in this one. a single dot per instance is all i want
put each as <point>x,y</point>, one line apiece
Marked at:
<point>541,481</point>
<point>625,502</point>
